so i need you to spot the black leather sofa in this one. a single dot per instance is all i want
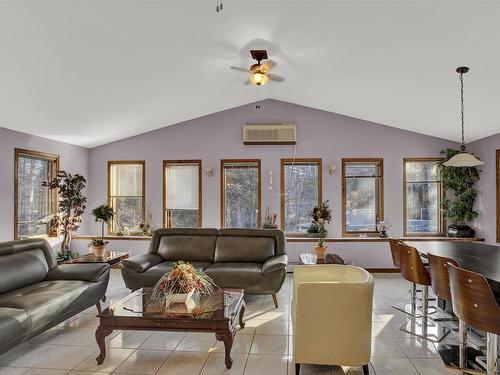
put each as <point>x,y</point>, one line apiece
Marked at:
<point>250,259</point>
<point>37,294</point>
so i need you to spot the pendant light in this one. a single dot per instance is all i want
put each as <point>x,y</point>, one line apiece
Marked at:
<point>463,158</point>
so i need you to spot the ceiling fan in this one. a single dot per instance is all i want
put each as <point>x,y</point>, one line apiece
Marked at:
<point>259,73</point>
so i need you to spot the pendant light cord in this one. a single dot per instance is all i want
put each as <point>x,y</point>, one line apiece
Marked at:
<point>462,108</point>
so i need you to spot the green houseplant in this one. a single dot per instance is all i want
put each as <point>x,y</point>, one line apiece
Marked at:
<point>71,207</point>
<point>321,215</point>
<point>104,214</point>
<point>459,182</point>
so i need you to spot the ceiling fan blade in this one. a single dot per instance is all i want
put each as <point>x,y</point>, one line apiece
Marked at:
<point>239,69</point>
<point>268,65</point>
<point>276,78</point>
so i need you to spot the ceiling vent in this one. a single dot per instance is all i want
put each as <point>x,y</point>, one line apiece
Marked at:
<point>270,134</point>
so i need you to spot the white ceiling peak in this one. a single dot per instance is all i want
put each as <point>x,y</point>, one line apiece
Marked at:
<point>91,72</point>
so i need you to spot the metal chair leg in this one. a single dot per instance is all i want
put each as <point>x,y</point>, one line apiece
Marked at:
<point>423,326</point>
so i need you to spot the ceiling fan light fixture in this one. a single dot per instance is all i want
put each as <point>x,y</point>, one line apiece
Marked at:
<point>258,78</point>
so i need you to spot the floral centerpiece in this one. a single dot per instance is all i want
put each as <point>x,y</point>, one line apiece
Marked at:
<point>179,285</point>
<point>321,215</point>
<point>269,220</point>
<point>104,214</point>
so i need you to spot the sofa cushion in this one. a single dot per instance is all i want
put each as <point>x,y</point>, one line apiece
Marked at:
<point>187,247</point>
<point>235,275</point>
<point>45,300</point>
<point>244,249</point>
<point>14,323</point>
<point>19,269</point>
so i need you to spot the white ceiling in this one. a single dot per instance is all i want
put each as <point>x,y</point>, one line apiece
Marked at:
<point>91,72</point>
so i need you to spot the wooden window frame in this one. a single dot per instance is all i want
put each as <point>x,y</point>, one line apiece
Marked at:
<point>200,191</point>
<point>380,208</point>
<point>287,161</point>
<point>222,189</point>
<point>53,158</point>
<point>442,222</point>
<point>143,201</point>
<point>498,193</point>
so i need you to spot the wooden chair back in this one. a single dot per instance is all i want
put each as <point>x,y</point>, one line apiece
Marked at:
<point>473,301</point>
<point>440,279</point>
<point>393,243</point>
<point>411,265</point>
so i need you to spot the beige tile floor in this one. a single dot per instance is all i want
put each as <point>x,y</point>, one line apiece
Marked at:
<point>263,347</point>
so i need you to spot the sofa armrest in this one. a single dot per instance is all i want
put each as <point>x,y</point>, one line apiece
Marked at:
<point>141,263</point>
<point>274,263</point>
<point>90,272</point>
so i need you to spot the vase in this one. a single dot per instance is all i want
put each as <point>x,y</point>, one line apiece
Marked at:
<point>185,298</point>
<point>320,252</point>
<point>99,250</point>
<point>463,231</point>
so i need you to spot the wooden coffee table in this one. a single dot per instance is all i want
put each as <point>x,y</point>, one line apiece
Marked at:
<point>222,312</point>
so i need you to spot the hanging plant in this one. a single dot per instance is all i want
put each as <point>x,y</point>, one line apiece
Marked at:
<point>458,182</point>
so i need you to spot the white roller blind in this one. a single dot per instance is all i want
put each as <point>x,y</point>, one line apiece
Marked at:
<point>182,187</point>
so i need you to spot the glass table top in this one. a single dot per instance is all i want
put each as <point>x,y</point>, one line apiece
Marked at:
<point>220,305</point>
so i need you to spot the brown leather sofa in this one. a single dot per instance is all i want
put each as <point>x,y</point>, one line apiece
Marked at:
<point>37,294</point>
<point>250,259</point>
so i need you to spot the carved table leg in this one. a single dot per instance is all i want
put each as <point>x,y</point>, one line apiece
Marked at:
<point>242,312</point>
<point>98,306</point>
<point>227,337</point>
<point>100,336</point>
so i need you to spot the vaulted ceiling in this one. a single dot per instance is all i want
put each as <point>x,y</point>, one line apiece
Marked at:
<point>91,72</point>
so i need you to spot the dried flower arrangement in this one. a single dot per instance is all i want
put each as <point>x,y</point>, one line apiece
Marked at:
<point>269,220</point>
<point>183,279</point>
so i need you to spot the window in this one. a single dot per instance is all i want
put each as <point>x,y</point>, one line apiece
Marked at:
<point>362,195</point>
<point>498,195</point>
<point>422,197</point>
<point>300,192</point>
<point>126,194</point>
<point>182,193</point>
<point>35,206</point>
<point>240,193</point>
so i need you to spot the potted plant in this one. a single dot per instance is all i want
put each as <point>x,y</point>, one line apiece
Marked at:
<point>179,285</point>
<point>269,220</point>
<point>321,215</point>
<point>71,207</point>
<point>103,213</point>
<point>313,230</point>
<point>460,181</point>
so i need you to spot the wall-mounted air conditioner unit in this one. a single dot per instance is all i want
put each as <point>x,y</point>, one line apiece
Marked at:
<point>270,134</point>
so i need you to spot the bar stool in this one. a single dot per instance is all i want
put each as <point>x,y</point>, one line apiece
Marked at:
<point>475,305</point>
<point>414,271</point>
<point>440,282</point>
<point>408,308</point>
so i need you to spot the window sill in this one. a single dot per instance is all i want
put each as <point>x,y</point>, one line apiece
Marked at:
<point>114,237</point>
<point>302,238</point>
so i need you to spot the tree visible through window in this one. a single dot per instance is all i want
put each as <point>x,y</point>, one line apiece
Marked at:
<point>422,197</point>
<point>182,190</point>
<point>362,194</point>
<point>36,206</point>
<point>300,192</point>
<point>240,189</point>
<point>126,195</point>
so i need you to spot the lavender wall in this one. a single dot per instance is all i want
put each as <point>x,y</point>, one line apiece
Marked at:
<point>72,158</point>
<point>217,136</point>
<point>486,204</point>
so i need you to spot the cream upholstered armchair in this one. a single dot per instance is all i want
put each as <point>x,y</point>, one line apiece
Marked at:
<point>332,315</point>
